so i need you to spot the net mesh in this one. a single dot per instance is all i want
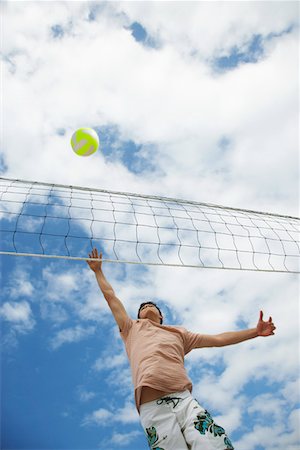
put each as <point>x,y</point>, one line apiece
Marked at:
<point>51,220</point>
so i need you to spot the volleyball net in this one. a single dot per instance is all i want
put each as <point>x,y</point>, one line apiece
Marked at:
<point>57,221</point>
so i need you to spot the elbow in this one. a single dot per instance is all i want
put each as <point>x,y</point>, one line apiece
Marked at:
<point>213,342</point>
<point>219,342</point>
<point>109,295</point>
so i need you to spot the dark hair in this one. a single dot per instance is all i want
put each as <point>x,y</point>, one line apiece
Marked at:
<point>149,303</point>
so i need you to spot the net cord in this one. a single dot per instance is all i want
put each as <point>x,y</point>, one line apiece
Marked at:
<point>147,197</point>
<point>78,258</point>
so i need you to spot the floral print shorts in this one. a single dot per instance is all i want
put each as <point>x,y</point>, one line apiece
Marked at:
<point>179,422</point>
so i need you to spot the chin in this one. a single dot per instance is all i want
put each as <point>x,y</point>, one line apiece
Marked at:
<point>150,316</point>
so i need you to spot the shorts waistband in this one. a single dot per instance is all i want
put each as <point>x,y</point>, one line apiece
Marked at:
<point>182,395</point>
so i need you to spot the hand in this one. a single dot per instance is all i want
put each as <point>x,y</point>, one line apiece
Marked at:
<point>96,266</point>
<point>265,328</point>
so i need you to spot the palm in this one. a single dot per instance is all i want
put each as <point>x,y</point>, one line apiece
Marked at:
<point>265,328</point>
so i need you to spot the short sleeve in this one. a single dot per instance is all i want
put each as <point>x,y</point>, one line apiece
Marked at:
<point>126,328</point>
<point>192,340</point>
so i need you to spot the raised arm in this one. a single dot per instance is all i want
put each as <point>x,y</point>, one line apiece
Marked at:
<point>234,337</point>
<point>114,303</point>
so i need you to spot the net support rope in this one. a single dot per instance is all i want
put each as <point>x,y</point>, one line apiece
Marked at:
<point>57,221</point>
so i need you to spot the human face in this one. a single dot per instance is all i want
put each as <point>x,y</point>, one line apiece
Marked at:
<point>150,312</point>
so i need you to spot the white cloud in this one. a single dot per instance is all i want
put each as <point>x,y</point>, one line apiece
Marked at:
<point>268,406</point>
<point>120,381</point>
<point>16,312</point>
<point>61,285</point>
<point>197,110</point>
<point>104,417</point>
<point>123,439</point>
<point>128,413</point>
<point>20,284</point>
<point>84,395</point>
<point>71,335</point>
<point>53,312</point>
<point>281,434</point>
<point>110,362</point>
<point>289,390</point>
<point>99,417</point>
<point>77,290</point>
<point>20,321</point>
<point>214,28</point>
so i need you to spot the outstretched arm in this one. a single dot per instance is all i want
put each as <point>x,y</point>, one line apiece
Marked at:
<point>96,267</point>
<point>234,337</point>
<point>114,303</point>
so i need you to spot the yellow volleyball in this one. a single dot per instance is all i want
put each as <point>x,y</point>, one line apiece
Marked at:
<point>85,141</point>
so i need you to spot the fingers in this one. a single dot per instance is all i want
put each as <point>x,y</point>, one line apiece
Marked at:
<point>273,328</point>
<point>261,314</point>
<point>95,255</point>
<point>270,321</point>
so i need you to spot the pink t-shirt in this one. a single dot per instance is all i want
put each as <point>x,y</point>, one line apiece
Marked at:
<point>156,355</point>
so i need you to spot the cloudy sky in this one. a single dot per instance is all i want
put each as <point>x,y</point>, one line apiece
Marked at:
<point>193,100</point>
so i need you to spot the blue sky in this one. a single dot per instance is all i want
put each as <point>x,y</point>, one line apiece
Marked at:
<point>194,101</point>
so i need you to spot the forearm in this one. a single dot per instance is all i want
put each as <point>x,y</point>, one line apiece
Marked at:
<point>104,285</point>
<point>234,337</point>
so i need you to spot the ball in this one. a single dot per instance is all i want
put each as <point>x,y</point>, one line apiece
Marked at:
<point>85,141</point>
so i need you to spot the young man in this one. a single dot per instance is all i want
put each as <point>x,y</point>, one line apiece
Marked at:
<point>172,419</point>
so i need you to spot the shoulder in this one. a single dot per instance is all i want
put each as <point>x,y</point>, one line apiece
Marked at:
<point>127,326</point>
